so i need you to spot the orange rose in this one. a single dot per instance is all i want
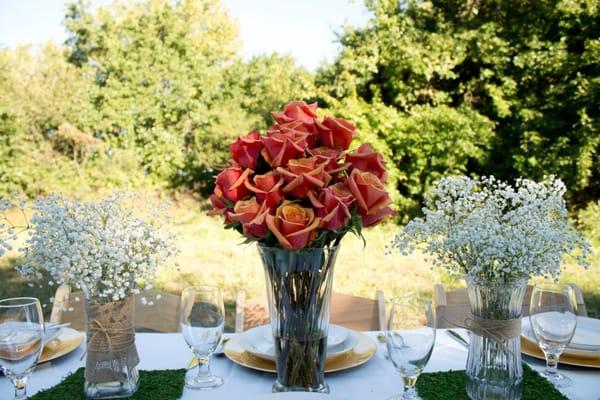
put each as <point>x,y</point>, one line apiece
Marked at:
<point>252,216</point>
<point>333,205</point>
<point>372,198</point>
<point>336,133</point>
<point>281,147</point>
<point>365,159</point>
<point>267,188</point>
<point>303,176</point>
<point>330,157</point>
<point>294,226</point>
<point>229,188</point>
<point>246,149</point>
<point>297,111</point>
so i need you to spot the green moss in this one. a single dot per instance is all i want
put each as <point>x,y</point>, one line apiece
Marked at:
<point>159,385</point>
<point>451,385</point>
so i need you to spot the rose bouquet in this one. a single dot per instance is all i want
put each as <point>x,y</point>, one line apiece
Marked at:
<point>297,190</point>
<point>298,185</point>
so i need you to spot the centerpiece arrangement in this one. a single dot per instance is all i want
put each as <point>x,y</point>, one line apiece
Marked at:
<point>109,251</point>
<point>297,190</point>
<point>495,236</point>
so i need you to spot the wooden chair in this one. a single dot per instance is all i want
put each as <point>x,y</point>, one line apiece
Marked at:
<point>353,312</point>
<point>453,306</point>
<point>154,311</point>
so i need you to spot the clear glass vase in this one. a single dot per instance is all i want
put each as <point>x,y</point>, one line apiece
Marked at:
<point>494,368</point>
<point>111,355</point>
<point>299,292</point>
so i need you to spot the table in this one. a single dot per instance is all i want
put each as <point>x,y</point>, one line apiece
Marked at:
<point>377,379</point>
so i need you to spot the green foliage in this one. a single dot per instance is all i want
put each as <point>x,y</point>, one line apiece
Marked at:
<point>478,87</point>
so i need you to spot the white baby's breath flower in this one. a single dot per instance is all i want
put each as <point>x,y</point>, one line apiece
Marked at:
<point>490,230</point>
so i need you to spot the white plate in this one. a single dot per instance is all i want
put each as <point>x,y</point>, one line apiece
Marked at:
<point>586,339</point>
<point>336,335</point>
<point>254,341</point>
<point>295,396</point>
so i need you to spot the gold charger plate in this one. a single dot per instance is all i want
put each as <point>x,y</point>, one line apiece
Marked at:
<point>68,340</point>
<point>532,349</point>
<point>362,352</point>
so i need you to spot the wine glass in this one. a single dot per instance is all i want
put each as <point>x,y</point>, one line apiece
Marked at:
<point>553,318</point>
<point>202,317</point>
<point>21,340</point>
<point>410,337</point>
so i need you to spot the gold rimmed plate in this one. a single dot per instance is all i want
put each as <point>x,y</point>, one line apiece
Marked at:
<point>67,341</point>
<point>362,352</point>
<point>532,349</point>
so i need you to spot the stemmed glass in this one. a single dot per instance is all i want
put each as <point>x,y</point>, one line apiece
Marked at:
<point>410,337</point>
<point>553,318</point>
<point>21,340</point>
<point>202,318</point>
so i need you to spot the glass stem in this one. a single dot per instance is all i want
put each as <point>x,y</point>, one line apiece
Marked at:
<point>203,366</point>
<point>20,388</point>
<point>409,387</point>
<point>551,364</point>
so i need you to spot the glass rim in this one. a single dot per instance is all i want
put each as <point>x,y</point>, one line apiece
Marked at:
<point>551,286</point>
<point>19,302</point>
<point>197,288</point>
<point>264,246</point>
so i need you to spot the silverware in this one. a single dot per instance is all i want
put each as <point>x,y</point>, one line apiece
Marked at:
<point>458,338</point>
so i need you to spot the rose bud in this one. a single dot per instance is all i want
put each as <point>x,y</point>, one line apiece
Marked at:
<point>303,176</point>
<point>281,147</point>
<point>246,149</point>
<point>267,188</point>
<point>294,226</point>
<point>332,210</point>
<point>370,194</point>
<point>365,159</point>
<point>330,158</point>
<point>336,133</point>
<point>296,111</point>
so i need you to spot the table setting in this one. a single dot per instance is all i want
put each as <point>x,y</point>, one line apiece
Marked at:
<point>295,191</point>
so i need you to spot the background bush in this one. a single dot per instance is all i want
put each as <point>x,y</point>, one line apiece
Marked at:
<point>151,93</point>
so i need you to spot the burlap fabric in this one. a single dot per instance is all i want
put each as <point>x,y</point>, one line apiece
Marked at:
<point>500,330</point>
<point>110,339</point>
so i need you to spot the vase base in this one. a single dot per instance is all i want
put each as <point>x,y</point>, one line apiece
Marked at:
<point>110,390</point>
<point>278,388</point>
<point>486,390</point>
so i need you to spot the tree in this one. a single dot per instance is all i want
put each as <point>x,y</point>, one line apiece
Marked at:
<point>519,78</point>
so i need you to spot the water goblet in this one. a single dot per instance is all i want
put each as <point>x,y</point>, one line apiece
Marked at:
<point>553,318</point>
<point>410,337</point>
<point>21,340</point>
<point>202,318</point>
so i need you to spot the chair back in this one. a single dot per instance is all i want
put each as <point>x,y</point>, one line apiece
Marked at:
<point>154,311</point>
<point>452,307</point>
<point>352,312</point>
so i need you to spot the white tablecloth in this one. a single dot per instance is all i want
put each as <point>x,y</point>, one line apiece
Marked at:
<point>377,379</point>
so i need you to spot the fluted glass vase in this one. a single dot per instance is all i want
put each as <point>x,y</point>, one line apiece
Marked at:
<point>111,354</point>
<point>299,291</point>
<point>494,369</point>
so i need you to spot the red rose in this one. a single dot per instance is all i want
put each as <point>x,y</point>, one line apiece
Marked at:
<point>281,147</point>
<point>252,216</point>
<point>246,149</point>
<point>333,206</point>
<point>365,159</point>
<point>336,133</point>
<point>330,157</point>
<point>296,111</point>
<point>230,187</point>
<point>303,176</point>
<point>296,127</point>
<point>267,188</point>
<point>372,198</point>
<point>294,226</point>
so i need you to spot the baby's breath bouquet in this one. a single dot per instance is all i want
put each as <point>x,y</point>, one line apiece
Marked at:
<point>488,230</point>
<point>496,236</point>
<point>109,248</point>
